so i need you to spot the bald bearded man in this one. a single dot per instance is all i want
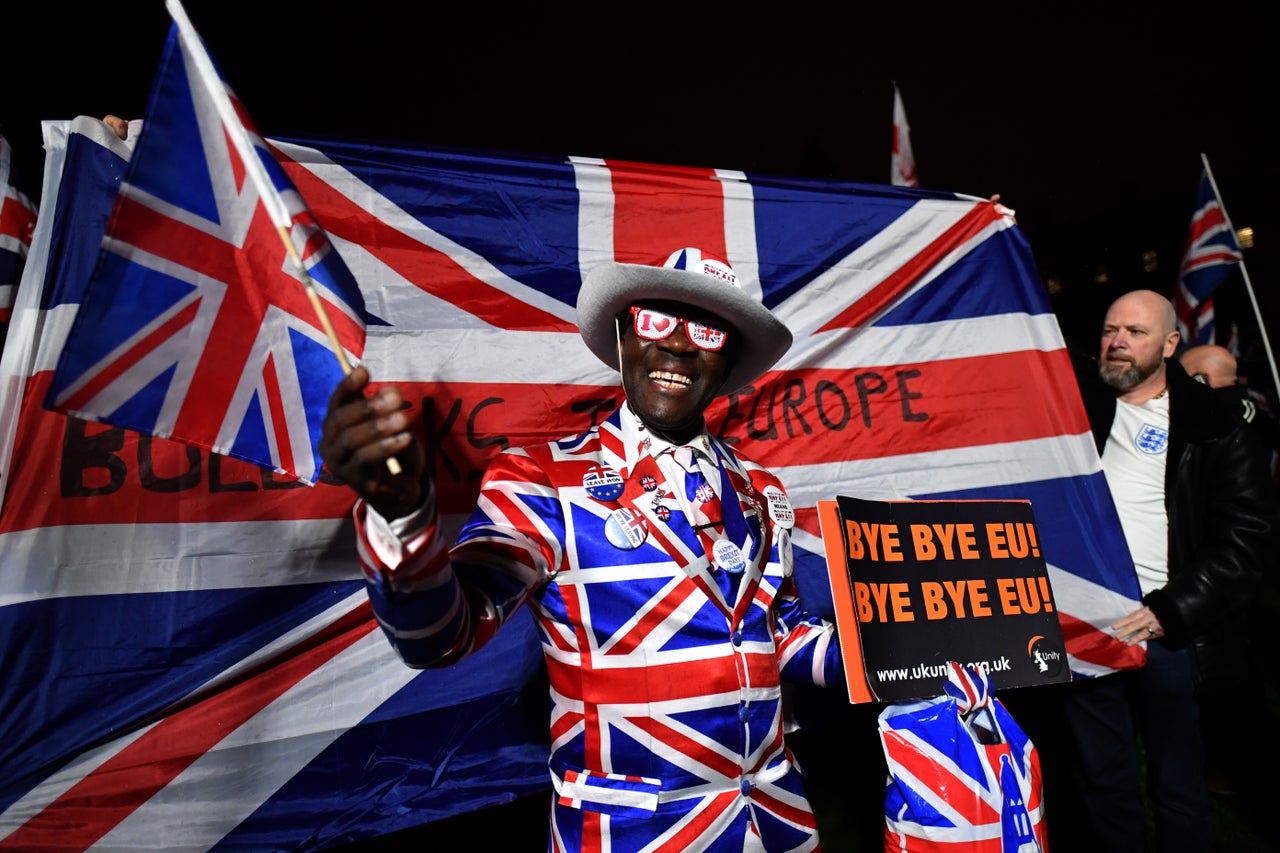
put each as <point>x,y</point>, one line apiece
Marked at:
<point>1198,513</point>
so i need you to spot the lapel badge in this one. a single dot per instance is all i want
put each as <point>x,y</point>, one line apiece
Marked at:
<point>728,556</point>
<point>780,507</point>
<point>626,528</point>
<point>603,484</point>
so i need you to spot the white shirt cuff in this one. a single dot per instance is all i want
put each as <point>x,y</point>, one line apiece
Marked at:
<point>388,538</point>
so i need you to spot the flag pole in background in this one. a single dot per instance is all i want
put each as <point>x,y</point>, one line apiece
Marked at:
<point>1248,285</point>
<point>271,199</point>
<point>903,171</point>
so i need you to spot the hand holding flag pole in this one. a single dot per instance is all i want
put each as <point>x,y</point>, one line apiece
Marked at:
<point>271,199</point>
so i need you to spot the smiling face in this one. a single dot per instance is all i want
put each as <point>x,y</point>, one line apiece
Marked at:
<point>670,382</point>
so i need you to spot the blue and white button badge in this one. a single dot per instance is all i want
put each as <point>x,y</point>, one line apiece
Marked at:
<point>603,484</point>
<point>626,528</point>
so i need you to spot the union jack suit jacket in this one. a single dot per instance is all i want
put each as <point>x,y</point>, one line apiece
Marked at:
<point>665,669</point>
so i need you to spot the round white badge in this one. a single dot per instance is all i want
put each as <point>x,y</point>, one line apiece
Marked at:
<point>728,556</point>
<point>626,528</point>
<point>780,507</point>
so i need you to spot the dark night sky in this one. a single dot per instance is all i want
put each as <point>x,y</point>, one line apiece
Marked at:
<point>1088,118</point>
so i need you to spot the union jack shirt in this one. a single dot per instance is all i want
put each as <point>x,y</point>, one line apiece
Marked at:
<point>665,664</point>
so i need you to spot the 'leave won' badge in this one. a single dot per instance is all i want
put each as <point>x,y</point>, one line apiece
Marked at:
<point>603,484</point>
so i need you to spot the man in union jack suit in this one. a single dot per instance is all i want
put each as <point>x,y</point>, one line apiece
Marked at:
<point>655,559</point>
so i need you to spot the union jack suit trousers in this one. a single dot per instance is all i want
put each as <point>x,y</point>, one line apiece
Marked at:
<point>665,666</point>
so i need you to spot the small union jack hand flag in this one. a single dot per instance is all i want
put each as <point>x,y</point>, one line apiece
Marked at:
<point>200,323</point>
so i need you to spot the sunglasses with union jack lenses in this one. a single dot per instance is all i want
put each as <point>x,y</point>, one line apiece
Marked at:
<point>654,325</point>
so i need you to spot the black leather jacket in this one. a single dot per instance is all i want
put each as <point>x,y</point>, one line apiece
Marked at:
<point>1224,521</point>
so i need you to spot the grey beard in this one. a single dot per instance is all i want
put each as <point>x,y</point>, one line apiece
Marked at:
<point>1123,380</point>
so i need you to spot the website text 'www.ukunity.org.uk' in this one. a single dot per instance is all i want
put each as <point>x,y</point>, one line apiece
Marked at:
<point>927,670</point>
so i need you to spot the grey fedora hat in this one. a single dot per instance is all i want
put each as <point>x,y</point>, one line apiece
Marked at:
<point>693,279</point>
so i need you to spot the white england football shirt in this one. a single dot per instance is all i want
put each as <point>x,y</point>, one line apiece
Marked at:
<point>1133,461</point>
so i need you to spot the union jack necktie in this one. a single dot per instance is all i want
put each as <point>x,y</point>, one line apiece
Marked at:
<point>704,511</point>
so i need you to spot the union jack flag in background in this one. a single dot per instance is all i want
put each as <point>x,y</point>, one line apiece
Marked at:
<point>1212,254</point>
<point>189,652</point>
<point>196,325</point>
<point>17,222</point>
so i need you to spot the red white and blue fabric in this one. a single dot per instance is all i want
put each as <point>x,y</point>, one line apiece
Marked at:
<point>665,669</point>
<point>1211,255</point>
<point>196,325</point>
<point>701,500</point>
<point>963,775</point>
<point>902,171</point>
<point>17,222</point>
<point>143,581</point>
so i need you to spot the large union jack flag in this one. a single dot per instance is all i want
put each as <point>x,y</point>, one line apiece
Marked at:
<point>188,648</point>
<point>1211,255</point>
<point>197,324</point>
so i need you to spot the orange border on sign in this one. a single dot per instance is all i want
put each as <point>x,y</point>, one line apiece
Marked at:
<point>855,673</point>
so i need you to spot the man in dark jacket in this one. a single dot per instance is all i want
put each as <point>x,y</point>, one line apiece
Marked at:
<point>1228,756</point>
<point>1198,514</point>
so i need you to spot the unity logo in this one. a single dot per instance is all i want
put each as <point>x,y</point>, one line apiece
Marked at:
<point>1047,656</point>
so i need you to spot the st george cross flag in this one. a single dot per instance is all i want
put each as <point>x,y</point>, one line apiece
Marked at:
<point>1211,255</point>
<point>903,168</point>
<point>197,324</point>
<point>17,222</point>
<point>190,658</point>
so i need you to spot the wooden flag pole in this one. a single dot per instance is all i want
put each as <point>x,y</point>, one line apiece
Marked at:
<point>393,464</point>
<point>309,284</point>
